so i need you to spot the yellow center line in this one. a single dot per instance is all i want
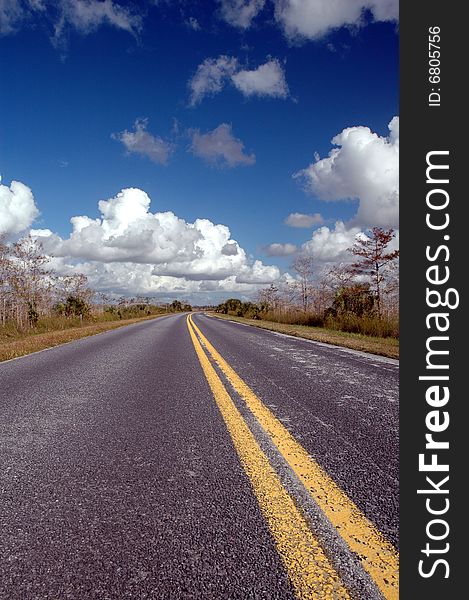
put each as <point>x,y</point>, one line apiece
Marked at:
<point>308,568</point>
<point>378,557</point>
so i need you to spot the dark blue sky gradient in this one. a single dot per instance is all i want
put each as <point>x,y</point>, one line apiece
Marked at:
<point>59,108</point>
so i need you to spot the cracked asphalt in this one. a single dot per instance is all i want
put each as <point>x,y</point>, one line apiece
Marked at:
<point>119,478</point>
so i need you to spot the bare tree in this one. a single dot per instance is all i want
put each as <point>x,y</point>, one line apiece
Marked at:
<point>303,266</point>
<point>374,257</point>
<point>4,279</point>
<point>287,295</point>
<point>27,277</point>
<point>269,298</point>
<point>390,288</point>
<point>80,288</point>
<point>337,276</point>
<point>333,278</point>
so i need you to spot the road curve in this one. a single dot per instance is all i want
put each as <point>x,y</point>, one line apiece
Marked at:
<point>121,478</point>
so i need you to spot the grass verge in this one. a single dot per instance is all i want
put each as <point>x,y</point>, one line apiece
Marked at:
<point>388,347</point>
<point>40,341</point>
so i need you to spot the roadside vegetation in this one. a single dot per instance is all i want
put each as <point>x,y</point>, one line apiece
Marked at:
<point>354,305</point>
<point>388,347</point>
<point>40,308</point>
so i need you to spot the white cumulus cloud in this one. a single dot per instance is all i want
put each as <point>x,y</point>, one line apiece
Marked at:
<point>364,166</point>
<point>240,13</point>
<point>330,245</point>
<point>313,19</point>
<point>301,220</point>
<point>130,249</point>
<point>266,80</point>
<point>141,142</point>
<point>17,208</point>
<point>220,148</point>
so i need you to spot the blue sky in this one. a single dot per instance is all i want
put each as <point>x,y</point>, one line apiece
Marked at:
<point>78,77</point>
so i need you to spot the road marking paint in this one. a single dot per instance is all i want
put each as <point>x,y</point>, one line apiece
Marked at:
<point>308,568</point>
<point>378,557</point>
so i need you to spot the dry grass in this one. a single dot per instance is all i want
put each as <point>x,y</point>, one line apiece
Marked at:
<point>39,341</point>
<point>376,345</point>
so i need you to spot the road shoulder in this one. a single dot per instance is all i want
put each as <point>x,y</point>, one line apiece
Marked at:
<point>44,341</point>
<point>384,347</point>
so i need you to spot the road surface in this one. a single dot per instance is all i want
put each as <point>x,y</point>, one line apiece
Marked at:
<point>198,458</point>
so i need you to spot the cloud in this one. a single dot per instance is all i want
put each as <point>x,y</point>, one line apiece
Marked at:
<point>130,279</point>
<point>299,19</point>
<point>220,148</point>
<point>213,74</point>
<point>301,220</point>
<point>131,250</point>
<point>313,19</point>
<point>280,249</point>
<point>240,13</point>
<point>266,80</point>
<point>192,23</point>
<point>230,249</point>
<point>330,245</point>
<point>364,166</point>
<point>210,77</point>
<point>17,208</point>
<point>258,273</point>
<point>85,16</point>
<point>143,143</point>
<point>11,14</point>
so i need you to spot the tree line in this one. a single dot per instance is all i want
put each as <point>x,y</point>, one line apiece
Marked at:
<point>30,290</point>
<point>361,296</point>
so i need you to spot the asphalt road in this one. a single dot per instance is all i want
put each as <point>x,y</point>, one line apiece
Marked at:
<point>122,476</point>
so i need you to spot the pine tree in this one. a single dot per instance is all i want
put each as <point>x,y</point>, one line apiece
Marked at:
<point>373,254</point>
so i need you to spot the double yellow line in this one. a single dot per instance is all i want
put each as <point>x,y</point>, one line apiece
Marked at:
<point>310,571</point>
